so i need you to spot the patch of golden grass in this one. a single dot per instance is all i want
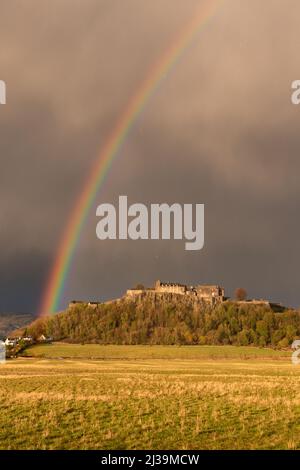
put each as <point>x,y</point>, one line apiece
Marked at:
<point>180,404</point>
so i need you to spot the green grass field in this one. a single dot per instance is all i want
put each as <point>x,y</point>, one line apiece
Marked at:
<point>97,351</point>
<point>150,397</point>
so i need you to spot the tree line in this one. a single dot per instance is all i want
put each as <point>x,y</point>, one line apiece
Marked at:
<point>165,321</point>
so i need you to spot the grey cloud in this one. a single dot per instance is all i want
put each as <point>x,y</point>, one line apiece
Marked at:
<point>219,130</point>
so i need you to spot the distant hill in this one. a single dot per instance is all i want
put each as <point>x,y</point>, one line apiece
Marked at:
<point>170,319</point>
<point>13,321</point>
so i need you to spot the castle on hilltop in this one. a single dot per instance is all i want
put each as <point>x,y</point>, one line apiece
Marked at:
<point>211,294</point>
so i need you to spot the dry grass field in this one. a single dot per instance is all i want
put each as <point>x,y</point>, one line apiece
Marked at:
<point>150,398</point>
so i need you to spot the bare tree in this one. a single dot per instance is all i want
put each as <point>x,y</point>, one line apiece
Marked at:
<point>240,293</point>
<point>139,287</point>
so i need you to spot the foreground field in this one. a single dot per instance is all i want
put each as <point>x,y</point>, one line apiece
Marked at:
<point>98,351</point>
<point>180,399</point>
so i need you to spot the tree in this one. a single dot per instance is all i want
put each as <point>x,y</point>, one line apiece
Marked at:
<point>240,293</point>
<point>139,287</point>
<point>243,338</point>
<point>262,330</point>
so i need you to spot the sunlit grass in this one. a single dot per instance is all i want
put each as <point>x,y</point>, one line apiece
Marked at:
<point>98,351</point>
<point>130,401</point>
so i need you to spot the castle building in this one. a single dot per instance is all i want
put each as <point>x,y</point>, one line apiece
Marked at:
<point>209,294</point>
<point>170,287</point>
<point>212,294</point>
<point>78,303</point>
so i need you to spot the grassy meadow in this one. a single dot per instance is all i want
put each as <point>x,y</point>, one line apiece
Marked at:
<point>149,397</point>
<point>97,351</point>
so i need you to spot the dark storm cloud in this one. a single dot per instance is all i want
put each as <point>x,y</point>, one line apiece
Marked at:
<point>220,130</point>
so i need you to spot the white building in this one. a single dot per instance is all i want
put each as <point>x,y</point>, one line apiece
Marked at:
<point>11,342</point>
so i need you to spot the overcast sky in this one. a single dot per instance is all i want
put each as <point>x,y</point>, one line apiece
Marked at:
<point>221,130</point>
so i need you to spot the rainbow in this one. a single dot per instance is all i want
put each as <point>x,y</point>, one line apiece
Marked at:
<point>71,236</point>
